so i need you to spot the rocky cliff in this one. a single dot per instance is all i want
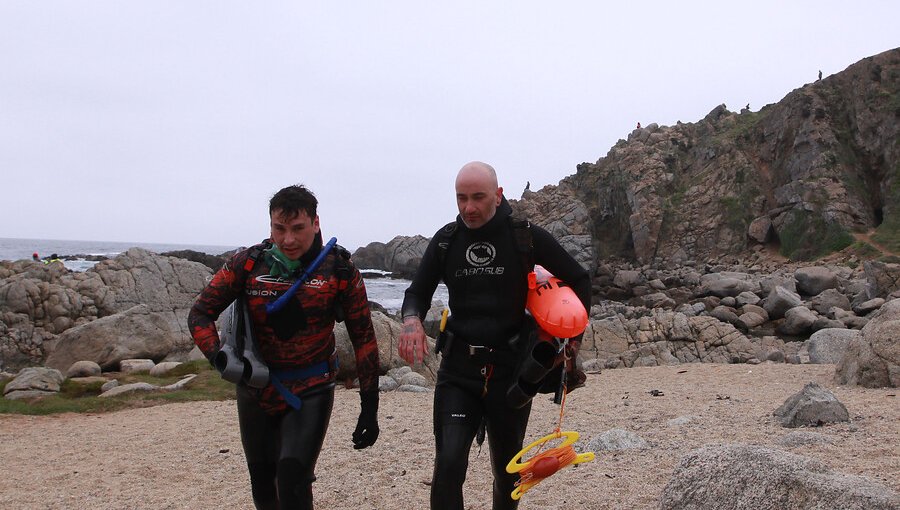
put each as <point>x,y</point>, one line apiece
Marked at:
<point>800,175</point>
<point>42,305</point>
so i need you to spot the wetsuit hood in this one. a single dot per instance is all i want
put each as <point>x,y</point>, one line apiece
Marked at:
<point>313,250</point>
<point>504,210</point>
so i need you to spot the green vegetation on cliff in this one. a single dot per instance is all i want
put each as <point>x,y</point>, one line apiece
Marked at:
<point>808,236</point>
<point>888,233</point>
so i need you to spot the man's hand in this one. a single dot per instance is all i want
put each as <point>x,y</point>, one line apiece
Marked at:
<point>367,430</point>
<point>413,345</point>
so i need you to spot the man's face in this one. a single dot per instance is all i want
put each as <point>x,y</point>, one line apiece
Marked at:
<point>477,199</point>
<point>293,236</point>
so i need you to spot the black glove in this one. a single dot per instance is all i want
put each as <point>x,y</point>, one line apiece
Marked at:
<point>367,427</point>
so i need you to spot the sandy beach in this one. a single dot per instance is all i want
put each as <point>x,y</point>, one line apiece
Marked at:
<point>189,455</point>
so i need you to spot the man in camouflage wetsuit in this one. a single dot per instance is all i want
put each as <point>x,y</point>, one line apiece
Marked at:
<point>282,442</point>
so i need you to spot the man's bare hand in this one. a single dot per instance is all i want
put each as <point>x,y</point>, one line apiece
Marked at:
<point>413,344</point>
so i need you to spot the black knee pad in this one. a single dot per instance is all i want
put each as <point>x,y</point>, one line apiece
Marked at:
<point>262,481</point>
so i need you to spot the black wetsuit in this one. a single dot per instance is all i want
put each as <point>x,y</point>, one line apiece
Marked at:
<point>287,445</point>
<point>487,283</point>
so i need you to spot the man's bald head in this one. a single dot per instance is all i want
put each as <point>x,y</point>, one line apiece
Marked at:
<point>477,193</point>
<point>476,170</point>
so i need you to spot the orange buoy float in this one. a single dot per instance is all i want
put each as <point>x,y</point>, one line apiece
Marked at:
<point>554,305</point>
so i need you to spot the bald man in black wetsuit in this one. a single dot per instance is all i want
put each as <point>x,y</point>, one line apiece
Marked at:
<point>483,270</point>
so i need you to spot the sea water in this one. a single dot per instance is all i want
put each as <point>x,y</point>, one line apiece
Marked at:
<point>386,291</point>
<point>16,249</point>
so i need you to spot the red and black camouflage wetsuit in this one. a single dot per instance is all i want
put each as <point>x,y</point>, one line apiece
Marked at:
<point>314,303</point>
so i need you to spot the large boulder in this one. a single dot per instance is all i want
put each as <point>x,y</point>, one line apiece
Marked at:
<point>828,299</point>
<point>628,279</point>
<point>22,345</point>
<point>779,301</point>
<point>797,321</point>
<point>403,255</point>
<point>39,302</point>
<point>768,283</point>
<point>722,287</point>
<point>664,338</point>
<point>873,358</point>
<point>760,229</point>
<point>740,476</point>
<point>168,286</point>
<point>868,306</point>
<point>49,305</point>
<point>370,256</point>
<point>83,369</point>
<point>33,382</point>
<point>881,278</point>
<point>814,280</point>
<point>134,333</point>
<point>829,345</point>
<point>400,256</point>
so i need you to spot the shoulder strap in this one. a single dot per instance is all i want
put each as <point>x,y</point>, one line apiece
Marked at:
<point>255,252</point>
<point>253,256</point>
<point>342,266</point>
<point>343,273</point>
<point>445,236</point>
<point>524,242</point>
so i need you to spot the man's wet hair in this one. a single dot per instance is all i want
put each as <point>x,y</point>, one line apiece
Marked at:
<point>293,199</point>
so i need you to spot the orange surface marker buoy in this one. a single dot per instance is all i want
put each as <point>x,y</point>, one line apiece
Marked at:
<point>558,312</point>
<point>554,305</point>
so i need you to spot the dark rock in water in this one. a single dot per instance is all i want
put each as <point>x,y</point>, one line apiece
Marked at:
<point>213,262</point>
<point>84,256</point>
<point>401,255</point>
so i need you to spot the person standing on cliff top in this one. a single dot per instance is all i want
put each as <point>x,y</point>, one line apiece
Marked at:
<point>482,264</point>
<point>283,424</point>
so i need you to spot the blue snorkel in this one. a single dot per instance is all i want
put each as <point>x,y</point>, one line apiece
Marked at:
<point>278,304</point>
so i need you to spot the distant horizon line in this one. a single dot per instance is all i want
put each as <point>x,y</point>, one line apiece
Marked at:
<point>226,247</point>
<point>135,243</point>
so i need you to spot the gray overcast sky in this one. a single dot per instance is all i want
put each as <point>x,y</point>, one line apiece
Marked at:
<point>175,121</point>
